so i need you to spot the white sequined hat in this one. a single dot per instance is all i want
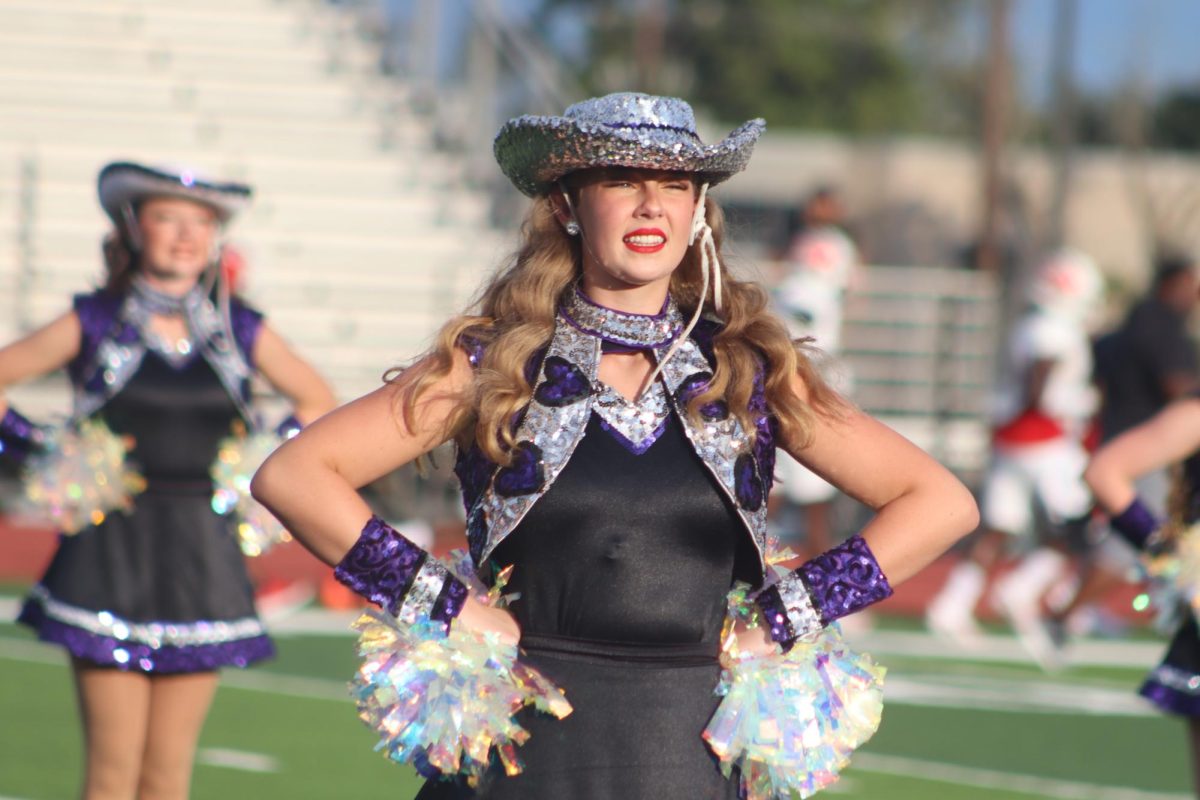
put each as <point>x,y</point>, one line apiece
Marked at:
<point>123,183</point>
<point>626,129</point>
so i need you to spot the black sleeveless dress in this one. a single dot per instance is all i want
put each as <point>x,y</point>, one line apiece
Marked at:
<point>623,569</point>
<point>164,588</point>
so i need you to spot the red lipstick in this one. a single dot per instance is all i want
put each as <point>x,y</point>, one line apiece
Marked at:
<point>645,240</point>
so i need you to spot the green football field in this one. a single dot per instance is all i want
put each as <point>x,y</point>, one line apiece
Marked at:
<point>985,728</point>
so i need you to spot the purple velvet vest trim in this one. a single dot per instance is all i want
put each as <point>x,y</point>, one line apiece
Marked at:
<point>289,427</point>
<point>97,313</point>
<point>18,436</point>
<point>382,565</point>
<point>1136,524</point>
<point>844,579</point>
<point>246,323</point>
<point>107,651</point>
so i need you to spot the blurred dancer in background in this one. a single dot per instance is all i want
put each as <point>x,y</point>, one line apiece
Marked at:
<point>1171,437</point>
<point>821,264</point>
<point>1148,362</point>
<point>150,603</point>
<point>1045,401</point>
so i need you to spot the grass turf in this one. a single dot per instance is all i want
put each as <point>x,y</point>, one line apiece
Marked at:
<point>319,749</point>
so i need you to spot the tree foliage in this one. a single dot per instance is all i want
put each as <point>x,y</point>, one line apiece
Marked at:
<point>856,66</point>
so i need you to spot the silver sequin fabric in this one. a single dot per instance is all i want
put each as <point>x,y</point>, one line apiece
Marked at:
<point>718,443</point>
<point>638,424</point>
<point>797,603</point>
<point>626,129</point>
<point>207,331</point>
<point>632,330</point>
<point>151,634</point>
<point>426,586</point>
<point>556,432</point>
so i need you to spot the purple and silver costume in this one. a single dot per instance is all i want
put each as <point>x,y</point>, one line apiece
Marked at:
<point>627,524</point>
<point>161,589</point>
<point>1174,685</point>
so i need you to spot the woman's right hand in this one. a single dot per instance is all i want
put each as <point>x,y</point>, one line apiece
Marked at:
<point>479,618</point>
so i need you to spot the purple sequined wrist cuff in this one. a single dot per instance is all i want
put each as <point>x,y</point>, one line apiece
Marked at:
<point>1136,524</point>
<point>844,579</point>
<point>388,569</point>
<point>18,436</point>
<point>381,565</point>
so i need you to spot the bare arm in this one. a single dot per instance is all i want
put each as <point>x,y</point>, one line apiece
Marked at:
<point>45,350</point>
<point>1170,436</point>
<point>311,482</point>
<point>921,508</point>
<point>292,376</point>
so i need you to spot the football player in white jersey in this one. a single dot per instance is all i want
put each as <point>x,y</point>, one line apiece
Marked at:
<point>1044,402</point>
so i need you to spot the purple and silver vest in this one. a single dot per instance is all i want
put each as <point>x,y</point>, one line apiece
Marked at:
<point>565,394</point>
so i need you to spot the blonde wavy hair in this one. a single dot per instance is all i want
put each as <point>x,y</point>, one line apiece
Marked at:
<point>514,316</point>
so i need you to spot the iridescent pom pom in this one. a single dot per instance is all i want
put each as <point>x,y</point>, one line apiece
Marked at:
<point>790,721</point>
<point>238,458</point>
<point>80,476</point>
<point>1175,578</point>
<point>442,702</point>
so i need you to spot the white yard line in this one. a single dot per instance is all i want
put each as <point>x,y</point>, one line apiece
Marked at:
<point>1015,695</point>
<point>1006,649</point>
<point>1002,781</point>
<point>236,759</point>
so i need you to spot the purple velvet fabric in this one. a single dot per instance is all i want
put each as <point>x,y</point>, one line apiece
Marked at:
<point>381,565</point>
<point>764,432</point>
<point>525,475</point>
<point>1136,524</point>
<point>449,602</point>
<point>565,384</point>
<point>136,657</point>
<point>473,347</point>
<point>693,385</point>
<point>246,322</point>
<point>18,436</point>
<point>770,605</point>
<point>1171,700</point>
<point>746,483</point>
<point>289,427</point>
<point>474,472</point>
<point>96,312</point>
<point>844,579</point>
<point>477,530</point>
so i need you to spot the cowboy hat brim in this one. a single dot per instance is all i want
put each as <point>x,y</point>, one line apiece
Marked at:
<point>124,183</point>
<point>536,151</point>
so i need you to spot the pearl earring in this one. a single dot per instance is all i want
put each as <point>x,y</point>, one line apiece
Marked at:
<point>572,228</point>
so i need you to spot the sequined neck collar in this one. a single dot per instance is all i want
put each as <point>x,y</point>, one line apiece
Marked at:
<point>637,331</point>
<point>157,302</point>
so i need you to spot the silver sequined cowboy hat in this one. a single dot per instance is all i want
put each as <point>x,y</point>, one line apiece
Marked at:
<point>122,184</point>
<point>618,130</point>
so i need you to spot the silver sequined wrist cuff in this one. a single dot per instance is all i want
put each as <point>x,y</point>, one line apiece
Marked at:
<point>788,610</point>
